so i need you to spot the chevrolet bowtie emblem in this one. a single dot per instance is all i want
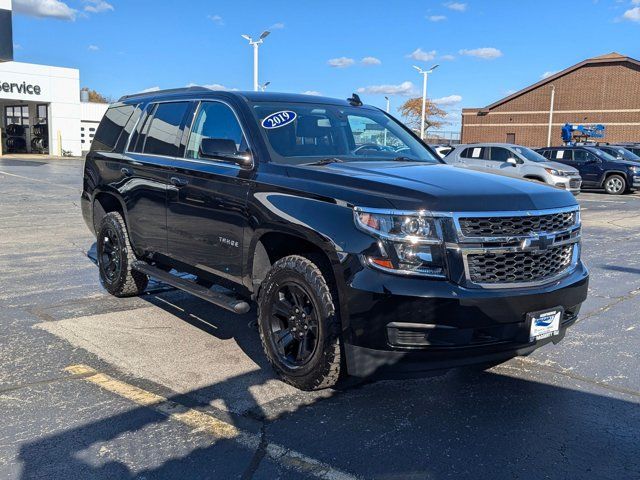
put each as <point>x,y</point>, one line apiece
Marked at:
<point>540,242</point>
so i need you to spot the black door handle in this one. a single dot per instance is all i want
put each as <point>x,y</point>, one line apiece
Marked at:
<point>179,182</point>
<point>126,171</point>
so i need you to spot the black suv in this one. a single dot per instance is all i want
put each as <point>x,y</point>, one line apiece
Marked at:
<point>597,168</point>
<point>362,251</point>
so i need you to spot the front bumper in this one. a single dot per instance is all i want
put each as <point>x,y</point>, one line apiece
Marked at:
<point>409,325</point>
<point>635,181</point>
<point>571,184</point>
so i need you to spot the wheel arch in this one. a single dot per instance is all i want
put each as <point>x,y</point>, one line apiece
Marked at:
<point>609,173</point>
<point>105,201</point>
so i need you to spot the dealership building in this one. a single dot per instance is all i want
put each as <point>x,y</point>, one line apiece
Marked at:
<point>40,106</point>
<point>601,90</point>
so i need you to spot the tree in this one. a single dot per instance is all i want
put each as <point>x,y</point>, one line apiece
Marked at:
<point>411,110</point>
<point>95,97</point>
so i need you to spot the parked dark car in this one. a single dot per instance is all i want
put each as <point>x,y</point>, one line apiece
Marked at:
<point>359,259</point>
<point>598,169</point>
<point>619,152</point>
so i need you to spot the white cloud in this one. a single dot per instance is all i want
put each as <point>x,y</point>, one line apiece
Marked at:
<point>217,19</point>
<point>97,6</point>
<point>436,18</point>
<point>486,53</point>
<point>45,9</point>
<point>547,74</point>
<point>421,55</point>
<point>633,14</point>
<point>276,26</point>
<point>448,101</point>
<point>405,89</point>
<point>341,62</point>
<point>150,89</point>
<point>312,92</point>
<point>457,6</point>
<point>370,61</point>
<point>212,86</point>
<point>447,58</point>
<point>93,48</point>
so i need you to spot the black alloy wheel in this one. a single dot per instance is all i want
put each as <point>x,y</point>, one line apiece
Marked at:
<point>294,325</point>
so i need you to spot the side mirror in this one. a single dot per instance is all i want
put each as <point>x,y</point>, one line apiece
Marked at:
<point>225,149</point>
<point>512,161</point>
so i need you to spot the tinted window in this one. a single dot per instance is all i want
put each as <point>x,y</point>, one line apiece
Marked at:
<point>473,152</point>
<point>561,155</point>
<point>165,130</point>
<point>499,154</point>
<point>583,156</point>
<point>111,127</point>
<point>215,120</point>
<point>128,128</point>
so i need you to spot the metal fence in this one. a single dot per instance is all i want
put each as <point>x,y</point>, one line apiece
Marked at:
<point>442,136</point>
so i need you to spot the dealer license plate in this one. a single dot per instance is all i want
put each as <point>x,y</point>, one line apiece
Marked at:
<point>544,324</point>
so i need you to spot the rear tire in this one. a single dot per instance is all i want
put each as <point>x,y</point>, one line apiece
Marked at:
<point>116,257</point>
<point>298,324</point>
<point>615,185</point>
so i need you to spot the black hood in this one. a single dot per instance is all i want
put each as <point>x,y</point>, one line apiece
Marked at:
<point>435,187</point>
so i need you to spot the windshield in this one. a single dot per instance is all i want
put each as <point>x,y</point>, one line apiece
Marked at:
<point>601,154</point>
<point>299,133</point>
<point>530,155</point>
<point>626,154</point>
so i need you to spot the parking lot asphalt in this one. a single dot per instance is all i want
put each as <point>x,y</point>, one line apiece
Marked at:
<point>168,386</point>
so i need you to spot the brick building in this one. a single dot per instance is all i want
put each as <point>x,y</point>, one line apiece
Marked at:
<point>603,89</point>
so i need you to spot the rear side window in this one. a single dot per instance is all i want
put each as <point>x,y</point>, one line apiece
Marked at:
<point>561,155</point>
<point>128,128</point>
<point>111,128</point>
<point>164,133</point>
<point>473,152</point>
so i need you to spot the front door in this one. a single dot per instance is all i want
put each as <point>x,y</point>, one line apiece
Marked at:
<point>497,162</point>
<point>590,167</point>
<point>206,214</point>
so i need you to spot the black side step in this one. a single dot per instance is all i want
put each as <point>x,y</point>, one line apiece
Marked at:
<point>220,299</point>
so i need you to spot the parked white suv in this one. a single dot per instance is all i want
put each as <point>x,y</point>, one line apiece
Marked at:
<point>515,161</point>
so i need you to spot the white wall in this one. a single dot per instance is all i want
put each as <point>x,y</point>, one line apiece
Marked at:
<point>59,87</point>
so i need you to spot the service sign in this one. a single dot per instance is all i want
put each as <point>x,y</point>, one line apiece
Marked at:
<point>18,86</point>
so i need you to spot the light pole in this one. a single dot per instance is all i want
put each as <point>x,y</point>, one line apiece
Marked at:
<point>264,86</point>
<point>425,74</point>
<point>553,97</point>
<point>256,44</point>
<point>385,129</point>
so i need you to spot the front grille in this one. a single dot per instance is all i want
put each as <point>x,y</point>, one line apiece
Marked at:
<point>516,226</point>
<point>574,183</point>
<point>519,267</point>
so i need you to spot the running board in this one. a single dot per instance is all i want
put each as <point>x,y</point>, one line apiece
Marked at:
<point>227,302</point>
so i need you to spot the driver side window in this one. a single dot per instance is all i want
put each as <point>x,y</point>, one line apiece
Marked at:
<point>215,120</point>
<point>582,156</point>
<point>499,154</point>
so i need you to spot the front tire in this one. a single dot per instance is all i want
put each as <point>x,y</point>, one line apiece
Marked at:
<point>116,257</point>
<point>298,324</point>
<point>615,185</point>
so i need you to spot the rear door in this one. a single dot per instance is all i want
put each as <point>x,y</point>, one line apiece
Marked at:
<point>206,214</point>
<point>153,148</point>
<point>473,158</point>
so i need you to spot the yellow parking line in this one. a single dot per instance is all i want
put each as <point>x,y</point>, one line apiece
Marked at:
<point>206,423</point>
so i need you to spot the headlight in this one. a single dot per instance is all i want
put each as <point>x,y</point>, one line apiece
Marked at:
<point>553,171</point>
<point>410,242</point>
<point>634,170</point>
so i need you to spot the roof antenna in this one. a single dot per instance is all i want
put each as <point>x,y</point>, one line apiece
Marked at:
<point>355,100</point>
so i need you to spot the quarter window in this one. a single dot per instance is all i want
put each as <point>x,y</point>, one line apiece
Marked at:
<point>111,127</point>
<point>165,131</point>
<point>215,120</point>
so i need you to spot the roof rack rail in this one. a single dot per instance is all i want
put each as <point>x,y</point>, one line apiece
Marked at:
<point>196,88</point>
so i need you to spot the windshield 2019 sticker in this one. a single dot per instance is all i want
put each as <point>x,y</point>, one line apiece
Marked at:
<point>279,119</point>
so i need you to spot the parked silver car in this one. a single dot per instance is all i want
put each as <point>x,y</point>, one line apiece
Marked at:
<point>515,161</point>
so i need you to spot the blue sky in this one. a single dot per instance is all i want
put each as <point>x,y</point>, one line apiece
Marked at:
<point>486,48</point>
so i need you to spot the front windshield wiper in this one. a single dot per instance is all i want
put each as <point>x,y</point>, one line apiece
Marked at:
<point>326,161</point>
<point>406,159</point>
